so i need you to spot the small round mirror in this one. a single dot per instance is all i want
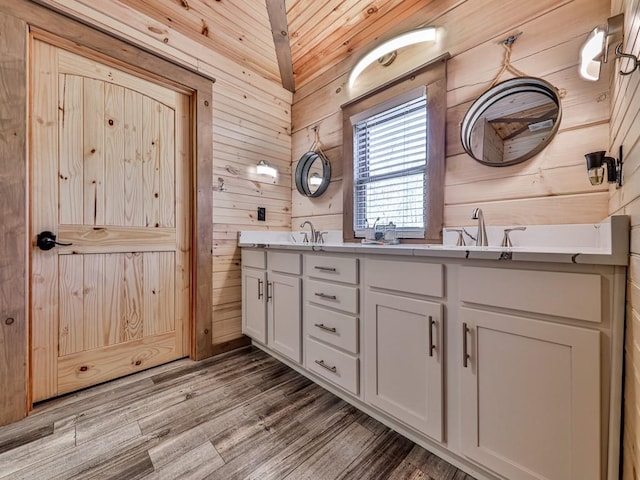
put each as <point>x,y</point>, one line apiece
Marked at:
<point>511,122</point>
<point>313,174</point>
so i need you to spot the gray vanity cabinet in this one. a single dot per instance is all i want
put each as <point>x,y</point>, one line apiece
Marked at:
<point>531,373</point>
<point>530,397</point>
<point>254,299</point>
<point>511,369</point>
<point>403,335</point>
<point>331,317</point>
<point>272,303</point>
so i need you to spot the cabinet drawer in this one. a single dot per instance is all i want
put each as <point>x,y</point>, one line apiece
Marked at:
<point>284,262</point>
<point>339,269</point>
<point>571,295</point>
<point>332,327</point>
<point>337,367</point>
<point>254,258</point>
<point>409,277</point>
<point>331,295</point>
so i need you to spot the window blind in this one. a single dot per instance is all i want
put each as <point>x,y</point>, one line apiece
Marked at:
<point>390,155</point>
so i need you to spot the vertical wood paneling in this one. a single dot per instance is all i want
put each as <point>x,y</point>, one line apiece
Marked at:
<point>70,181</point>
<point>13,230</point>
<point>151,161</point>
<point>44,271</point>
<point>133,184</point>
<point>93,135</point>
<point>151,291</point>
<point>114,154</point>
<point>166,321</point>
<point>93,301</point>
<point>167,164</point>
<point>132,323</point>
<point>71,334</point>
<point>183,229</point>
<point>111,328</point>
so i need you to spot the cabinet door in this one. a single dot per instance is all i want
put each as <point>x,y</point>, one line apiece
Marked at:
<point>284,319</point>
<point>254,313</point>
<point>531,397</point>
<point>403,360</point>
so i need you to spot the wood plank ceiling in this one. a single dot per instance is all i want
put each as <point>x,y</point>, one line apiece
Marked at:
<point>321,33</point>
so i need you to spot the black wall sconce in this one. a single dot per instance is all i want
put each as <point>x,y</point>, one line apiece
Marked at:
<point>596,162</point>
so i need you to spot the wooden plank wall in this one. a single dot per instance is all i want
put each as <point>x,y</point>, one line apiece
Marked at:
<point>625,131</point>
<point>550,188</point>
<point>13,137</point>
<point>252,120</point>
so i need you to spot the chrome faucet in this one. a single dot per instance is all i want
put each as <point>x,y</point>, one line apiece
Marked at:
<point>481,236</point>
<point>314,233</point>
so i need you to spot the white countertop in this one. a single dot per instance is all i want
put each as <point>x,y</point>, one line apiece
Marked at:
<point>606,243</point>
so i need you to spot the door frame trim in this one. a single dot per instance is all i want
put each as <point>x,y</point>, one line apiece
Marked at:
<point>15,398</point>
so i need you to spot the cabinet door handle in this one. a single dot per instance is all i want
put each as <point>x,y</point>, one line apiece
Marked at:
<point>465,352</point>
<point>322,326</point>
<point>269,287</point>
<point>260,290</point>
<point>324,269</point>
<point>324,365</point>
<point>325,296</point>
<point>432,347</point>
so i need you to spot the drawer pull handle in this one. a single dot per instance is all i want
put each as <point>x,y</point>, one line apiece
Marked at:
<point>322,326</point>
<point>324,269</point>
<point>260,292</point>
<point>324,365</point>
<point>325,296</point>
<point>269,286</point>
<point>432,347</point>
<point>465,352</point>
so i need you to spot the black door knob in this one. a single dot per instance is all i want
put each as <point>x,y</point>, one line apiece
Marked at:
<point>47,240</point>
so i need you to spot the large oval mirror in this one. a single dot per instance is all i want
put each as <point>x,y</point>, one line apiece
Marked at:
<point>313,174</point>
<point>511,122</point>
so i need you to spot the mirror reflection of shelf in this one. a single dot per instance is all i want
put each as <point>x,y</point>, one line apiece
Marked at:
<point>511,122</point>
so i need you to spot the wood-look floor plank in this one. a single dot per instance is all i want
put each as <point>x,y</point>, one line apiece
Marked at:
<point>179,418</point>
<point>194,464</point>
<point>242,415</point>
<point>61,440</point>
<point>431,464</point>
<point>329,461</point>
<point>272,458</point>
<point>25,437</point>
<point>380,459</point>
<point>131,461</point>
<point>159,398</point>
<point>66,460</point>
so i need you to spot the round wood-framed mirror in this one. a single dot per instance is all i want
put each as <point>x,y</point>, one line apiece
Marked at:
<point>313,174</point>
<point>511,122</point>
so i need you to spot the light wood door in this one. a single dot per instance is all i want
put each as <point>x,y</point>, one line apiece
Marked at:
<point>110,162</point>
<point>404,360</point>
<point>254,306</point>
<point>531,397</point>
<point>284,315</point>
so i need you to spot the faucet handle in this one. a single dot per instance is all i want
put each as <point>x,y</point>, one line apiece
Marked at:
<point>506,240</point>
<point>321,237</point>
<point>305,238</point>
<point>459,231</point>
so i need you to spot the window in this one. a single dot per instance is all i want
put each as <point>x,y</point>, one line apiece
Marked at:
<point>389,158</point>
<point>394,156</point>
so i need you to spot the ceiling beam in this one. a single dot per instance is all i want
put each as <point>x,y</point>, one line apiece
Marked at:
<point>280,31</point>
